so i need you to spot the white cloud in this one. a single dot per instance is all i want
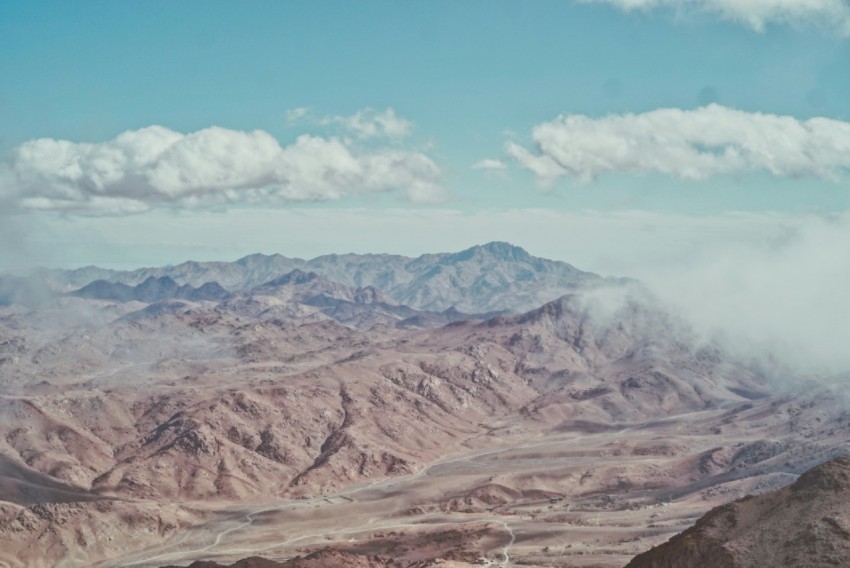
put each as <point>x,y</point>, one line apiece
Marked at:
<point>211,167</point>
<point>688,144</point>
<point>757,14</point>
<point>489,164</point>
<point>784,300</point>
<point>293,115</point>
<point>370,123</point>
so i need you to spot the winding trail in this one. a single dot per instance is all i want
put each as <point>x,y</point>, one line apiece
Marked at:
<point>507,559</point>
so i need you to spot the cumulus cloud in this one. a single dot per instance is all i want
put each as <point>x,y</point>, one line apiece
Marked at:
<point>757,14</point>
<point>489,164</point>
<point>688,144</point>
<point>215,166</point>
<point>371,123</point>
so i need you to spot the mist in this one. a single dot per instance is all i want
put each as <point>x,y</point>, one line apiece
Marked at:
<point>766,286</point>
<point>781,300</point>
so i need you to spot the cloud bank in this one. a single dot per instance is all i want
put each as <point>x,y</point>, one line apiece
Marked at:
<point>687,144</point>
<point>783,300</point>
<point>757,14</point>
<point>155,166</point>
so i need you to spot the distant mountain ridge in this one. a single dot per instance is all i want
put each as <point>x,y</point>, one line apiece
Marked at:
<point>485,278</point>
<point>297,296</point>
<point>153,289</point>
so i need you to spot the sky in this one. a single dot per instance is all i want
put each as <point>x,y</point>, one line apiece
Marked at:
<point>150,133</point>
<point>702,146</point>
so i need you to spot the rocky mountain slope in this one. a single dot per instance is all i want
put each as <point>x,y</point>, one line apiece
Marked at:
<point>492,277</point>
<point>298,294</point>
<point>212,403</point>
<point>804,525</point>
<point>302,412</point>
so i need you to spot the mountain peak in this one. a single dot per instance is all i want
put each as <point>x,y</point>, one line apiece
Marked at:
<point>498,250</point>
<point>505,250</point>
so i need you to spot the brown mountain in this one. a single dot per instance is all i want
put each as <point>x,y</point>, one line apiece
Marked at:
<point>804,525</point>
<point>212,432</point>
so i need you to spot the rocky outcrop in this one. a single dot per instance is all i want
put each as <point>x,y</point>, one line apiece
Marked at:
<point>805,525</point>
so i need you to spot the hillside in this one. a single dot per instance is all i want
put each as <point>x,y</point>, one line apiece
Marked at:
<point>804,525</point>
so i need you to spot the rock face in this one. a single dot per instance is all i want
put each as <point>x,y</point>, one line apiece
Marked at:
<point>805,525</point>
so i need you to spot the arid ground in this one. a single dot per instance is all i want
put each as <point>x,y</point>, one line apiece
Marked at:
<point>163,432</point>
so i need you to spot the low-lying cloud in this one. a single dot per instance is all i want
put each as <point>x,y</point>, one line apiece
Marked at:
<point>757,14</point>
<point>155,166</point>
<point>687,144</point>
<point>783,300</point>
<point>768,285</point>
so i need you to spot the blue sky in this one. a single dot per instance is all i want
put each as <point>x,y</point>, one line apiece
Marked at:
<point>469,77</point>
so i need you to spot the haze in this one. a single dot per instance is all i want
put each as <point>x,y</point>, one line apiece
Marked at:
<point>515,221</point>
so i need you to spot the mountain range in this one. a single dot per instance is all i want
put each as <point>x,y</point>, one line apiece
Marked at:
<point>492,277</point>
<point>158,416</point>
<point>153,289</point>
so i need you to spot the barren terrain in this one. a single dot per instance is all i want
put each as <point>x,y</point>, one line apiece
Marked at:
<point>805,524</point>
<point>303,416</point>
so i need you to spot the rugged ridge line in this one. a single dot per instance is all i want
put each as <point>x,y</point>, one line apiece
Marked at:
<point>484,278</point>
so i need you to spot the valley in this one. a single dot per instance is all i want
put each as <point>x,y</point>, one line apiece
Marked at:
<point>303,415</point>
